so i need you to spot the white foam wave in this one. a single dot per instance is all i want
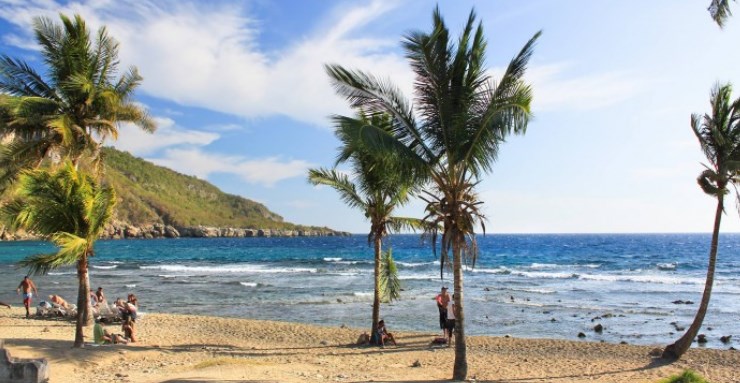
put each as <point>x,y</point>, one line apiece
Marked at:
<point>416,264</point>
<point>63,273</point>
<point>544,275</point>
<point>536,291</point>
<point>643,278</point>
<point>500,270</point>
<point>130,286</point>
<point>362,294</point>
<point>416,277</point>
<point>232,268</point>
<point>101,267</point>
<point>248,284</point>
<point>332,259</point>
<point>667,266</point>
<point>540,266</point>
<point>173,276</point>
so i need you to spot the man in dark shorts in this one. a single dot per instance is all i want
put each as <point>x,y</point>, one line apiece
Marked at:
<point>27,286</point>
<point>442,299</point>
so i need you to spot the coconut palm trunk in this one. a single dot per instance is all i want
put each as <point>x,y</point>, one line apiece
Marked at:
<point>675,350</point>
<point>376,296</point>
<point>460,369</point>
<point>83,300</point>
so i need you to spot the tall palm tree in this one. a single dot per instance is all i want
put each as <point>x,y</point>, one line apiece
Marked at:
<point>719,137</point>
<point>450,136</point>
<point>376,190</point>
<point>72,209</point>
<point>80,100</point>
<point>720,11</point>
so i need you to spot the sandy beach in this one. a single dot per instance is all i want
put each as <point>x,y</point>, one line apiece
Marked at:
<point>182,348</point>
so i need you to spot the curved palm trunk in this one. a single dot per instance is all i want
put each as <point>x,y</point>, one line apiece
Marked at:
<point>83,300</point>
<point>376,296</point>
<point>675,350</point>
<point>460,370</point>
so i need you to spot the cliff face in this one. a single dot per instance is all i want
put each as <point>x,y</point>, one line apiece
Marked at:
<point>156,202</point>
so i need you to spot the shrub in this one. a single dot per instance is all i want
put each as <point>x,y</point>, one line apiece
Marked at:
<point>687,376</point>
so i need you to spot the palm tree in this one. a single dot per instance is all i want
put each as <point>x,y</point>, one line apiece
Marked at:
<point>376,190</point>
<point>79,101</point>
<point>72,209</point>
<point>720,11</point>
<point>719,137</point>
<point>449,137</point>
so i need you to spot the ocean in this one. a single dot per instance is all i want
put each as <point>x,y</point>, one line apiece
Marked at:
<point>530,286</point>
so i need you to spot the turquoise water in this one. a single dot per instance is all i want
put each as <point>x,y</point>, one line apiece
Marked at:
<point>328,280</point>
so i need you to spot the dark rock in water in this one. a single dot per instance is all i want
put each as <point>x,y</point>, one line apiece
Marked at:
<point>681,302</point>
<point>623,342</point>
<point>607,315</point>
<point>553,320</point>
<point>710,328</point>
<point>701,338</point>
<point>512,298</point>
<point>581,335</point>
<point>595,318</point>
<point>339,300</point>
<point>545,312</point>
<point>733,348</point>
<point>487,289</point>
<point>725,339</point>
<point>599,328</point>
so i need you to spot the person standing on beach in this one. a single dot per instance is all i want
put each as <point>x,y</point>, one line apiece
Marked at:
<point>450,323</point>
<point>27,286</point>
<point>443,298</point>
<point>100,296</point>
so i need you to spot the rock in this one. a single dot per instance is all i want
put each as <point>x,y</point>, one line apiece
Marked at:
<point>709,329</point>
<point>681,302</point>
<point>416,364</point>
<point>733,348</point>
<point>324,343</point>
<point>487,289</point>
<point>553,320</point>
<point>623,342</point>
<point>22,370</point>
<point>581,335</point>
<point>656,352</point>
<point>599,328</point>
<point>725,339</point>
<point>607,315</point>
<point>701,338</point>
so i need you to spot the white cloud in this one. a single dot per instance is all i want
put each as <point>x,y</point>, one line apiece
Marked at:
<point>168,134</point>
<point>263,171</point>
<point>206,55</point>
<point>555,87</point>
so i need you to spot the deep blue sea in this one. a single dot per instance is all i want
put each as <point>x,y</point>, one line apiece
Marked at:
<point>535,286</point>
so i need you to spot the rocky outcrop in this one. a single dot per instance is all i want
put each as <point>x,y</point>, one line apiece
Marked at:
<point>16,370</point>
<point>120,230</point>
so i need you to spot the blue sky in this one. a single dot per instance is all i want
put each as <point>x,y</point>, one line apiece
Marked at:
<point>241,99</point>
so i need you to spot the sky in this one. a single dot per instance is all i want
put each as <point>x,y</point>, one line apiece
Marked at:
<point>241,99</point>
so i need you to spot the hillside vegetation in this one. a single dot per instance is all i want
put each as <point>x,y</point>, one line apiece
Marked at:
<point>149,194</point>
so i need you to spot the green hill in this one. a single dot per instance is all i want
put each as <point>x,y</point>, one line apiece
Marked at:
<point>150,194</point>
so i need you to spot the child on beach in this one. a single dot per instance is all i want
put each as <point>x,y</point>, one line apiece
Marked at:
<point>383,335</point>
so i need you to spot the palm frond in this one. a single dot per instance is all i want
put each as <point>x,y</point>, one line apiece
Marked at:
<point>339,182</point>
<point>390,283</point>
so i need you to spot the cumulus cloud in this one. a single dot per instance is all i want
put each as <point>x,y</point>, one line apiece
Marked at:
<point>206,55</point>
<point>263,171</point>
<point>168,134</point>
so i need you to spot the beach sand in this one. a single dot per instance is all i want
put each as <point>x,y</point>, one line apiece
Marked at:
<point>180,348</point>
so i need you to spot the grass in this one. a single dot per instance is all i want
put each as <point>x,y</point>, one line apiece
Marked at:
<point>687,376</point>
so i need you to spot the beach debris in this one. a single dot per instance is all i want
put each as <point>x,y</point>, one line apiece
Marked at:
<point>725,339</point>
<point>507,336</point>
<point>702,338</point>
<point>45,329</point>
<point>599,328</point>
<point>324,343</point>
<point>416,364</point>
<point>343,326</point>
<point>581,335</point>
<point>682,302</point>
<point>656,352</point>
<point>623,342</point>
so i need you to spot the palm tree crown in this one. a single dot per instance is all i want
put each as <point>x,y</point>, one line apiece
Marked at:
<point>450,137</point>
<point>71,208</point>
<point>79,101</point>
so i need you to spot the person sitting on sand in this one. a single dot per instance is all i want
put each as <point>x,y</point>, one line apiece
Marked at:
<point>102,336</point>
<point>383,335</point>
<point>129,331</point>
<point>100,296</point>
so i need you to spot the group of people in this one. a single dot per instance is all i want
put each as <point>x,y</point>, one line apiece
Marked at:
<point>127,310</point>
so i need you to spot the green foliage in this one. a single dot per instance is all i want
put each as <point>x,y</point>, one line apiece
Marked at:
<point>79,100</point>
<point>148,194</point>
<point>687,376</point>
<point>390,284</point>
<point>66,205</point>
<point>720,11</point>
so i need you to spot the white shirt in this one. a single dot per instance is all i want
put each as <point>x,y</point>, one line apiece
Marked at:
<point>450,310</point>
